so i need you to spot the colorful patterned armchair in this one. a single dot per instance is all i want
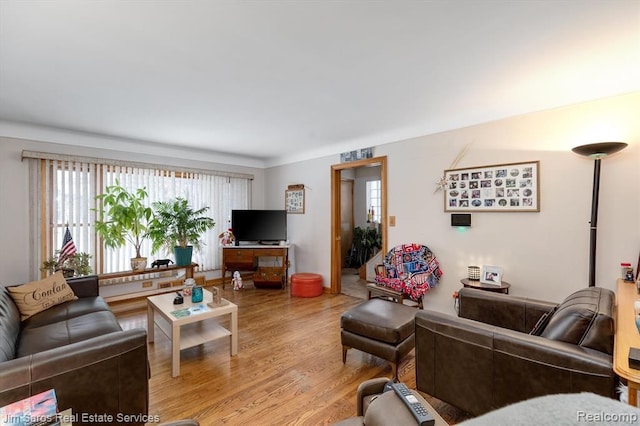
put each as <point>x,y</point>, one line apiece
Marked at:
<point>409,269</point>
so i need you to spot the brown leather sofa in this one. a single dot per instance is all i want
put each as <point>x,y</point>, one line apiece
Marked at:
<point>502,349</point>
<point>79,349</point>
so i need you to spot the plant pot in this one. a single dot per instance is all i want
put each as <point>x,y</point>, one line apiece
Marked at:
<point>67,272</point>
<point>138,263</point>
<point>183,255</point>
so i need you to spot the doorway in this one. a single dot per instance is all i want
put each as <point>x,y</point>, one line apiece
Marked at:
<point>347,222</point>
<point>337,213</point>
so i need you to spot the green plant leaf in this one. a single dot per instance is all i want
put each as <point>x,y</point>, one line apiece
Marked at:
<point>123,217</point>
<point>175,223</point>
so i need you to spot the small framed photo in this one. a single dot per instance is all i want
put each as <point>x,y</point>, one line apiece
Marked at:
<point>491,275</point>
<point>294,199</point>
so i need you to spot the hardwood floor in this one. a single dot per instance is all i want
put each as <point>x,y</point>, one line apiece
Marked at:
<point>288,370</point>
<point>352,285</point>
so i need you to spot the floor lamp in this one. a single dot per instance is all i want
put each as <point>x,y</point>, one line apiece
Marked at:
<point>597,151</point>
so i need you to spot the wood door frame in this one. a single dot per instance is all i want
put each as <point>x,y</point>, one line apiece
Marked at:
<point>336,249</point>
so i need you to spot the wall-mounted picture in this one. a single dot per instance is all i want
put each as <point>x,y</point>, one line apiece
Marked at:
<point>491,275</point>
<point>360,154</point>
<point>510,187</point>
<point>294,199</point>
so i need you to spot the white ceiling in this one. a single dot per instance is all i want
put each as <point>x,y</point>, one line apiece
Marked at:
<point>279,81</point>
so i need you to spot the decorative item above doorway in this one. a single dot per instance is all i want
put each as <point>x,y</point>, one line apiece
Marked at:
<point>294,199</point>
<point>510,187</point>
<point>345,157</point>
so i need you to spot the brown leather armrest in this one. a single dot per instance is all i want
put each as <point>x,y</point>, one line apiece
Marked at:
<point>78,355</point>
<point>112,368</point>
<point>367,388</point>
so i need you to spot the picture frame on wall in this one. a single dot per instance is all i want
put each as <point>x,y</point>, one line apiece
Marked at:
<point>360,154</point>
<point>511,187</point>
<point>491,275</point>
<point>294,199</point>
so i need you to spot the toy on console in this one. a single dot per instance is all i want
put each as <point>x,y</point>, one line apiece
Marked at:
<point>236,281</point>
<point>161,262</point>
<point>227,238</point>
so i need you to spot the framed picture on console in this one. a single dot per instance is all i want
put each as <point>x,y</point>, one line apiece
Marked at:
<point>512,187</point>
<point>294,199</point>
<point>491,275</point>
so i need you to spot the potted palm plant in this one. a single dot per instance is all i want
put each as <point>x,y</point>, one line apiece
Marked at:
<point>179,227</point>
<point>124,218</point>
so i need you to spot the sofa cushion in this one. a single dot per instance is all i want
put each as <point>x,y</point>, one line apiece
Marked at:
<point>9,326</point>
<point>66,311</point>
<point>584,318</point>
<point>36,296</point>
<point>54,335</point>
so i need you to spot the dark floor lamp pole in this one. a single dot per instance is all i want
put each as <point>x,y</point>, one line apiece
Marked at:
<point>593,224</point>
<point>597,151</point>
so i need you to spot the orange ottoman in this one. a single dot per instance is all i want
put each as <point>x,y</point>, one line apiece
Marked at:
<point>305,284</point>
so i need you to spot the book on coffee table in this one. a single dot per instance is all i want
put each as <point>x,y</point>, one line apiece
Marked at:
<point>191,310</point>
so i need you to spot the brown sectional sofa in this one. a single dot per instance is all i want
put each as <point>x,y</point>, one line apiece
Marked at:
<point>487,357</point>
<point>79,349</point>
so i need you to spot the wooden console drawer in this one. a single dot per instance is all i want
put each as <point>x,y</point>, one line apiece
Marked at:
<point>238,255</point>
<point>268,274</point>
<point>238,258</point>
<point>268,277</point>
<point>270,252</point>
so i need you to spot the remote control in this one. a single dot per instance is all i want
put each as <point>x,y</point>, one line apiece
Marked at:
<point>420,413</point>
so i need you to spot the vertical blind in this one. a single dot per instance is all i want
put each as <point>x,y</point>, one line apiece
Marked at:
<point>68,189</point>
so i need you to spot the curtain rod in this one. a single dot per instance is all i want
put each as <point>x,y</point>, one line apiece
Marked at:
<point>38,155</point>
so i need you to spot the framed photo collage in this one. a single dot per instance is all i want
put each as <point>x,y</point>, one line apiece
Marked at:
<point>510,187</point>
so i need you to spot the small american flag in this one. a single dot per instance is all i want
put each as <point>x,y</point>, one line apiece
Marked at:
<point>68,247</point>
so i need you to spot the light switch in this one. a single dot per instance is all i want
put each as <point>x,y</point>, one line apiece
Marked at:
<point>392,221</point>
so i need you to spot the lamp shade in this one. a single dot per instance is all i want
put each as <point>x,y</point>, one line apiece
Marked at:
<point>600,149</point>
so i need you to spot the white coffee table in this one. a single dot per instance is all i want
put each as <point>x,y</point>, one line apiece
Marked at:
<point>192,329</point>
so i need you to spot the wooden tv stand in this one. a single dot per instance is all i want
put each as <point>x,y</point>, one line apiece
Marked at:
<point>245,258</point>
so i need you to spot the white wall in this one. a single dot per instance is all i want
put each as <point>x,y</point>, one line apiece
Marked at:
<point>14,191</point>
<point>308,232</point>
<point>544,254</point>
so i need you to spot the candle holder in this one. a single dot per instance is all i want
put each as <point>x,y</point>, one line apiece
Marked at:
<point>474,273</point>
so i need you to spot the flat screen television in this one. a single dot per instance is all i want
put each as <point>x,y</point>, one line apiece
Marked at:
<point>259,226</point>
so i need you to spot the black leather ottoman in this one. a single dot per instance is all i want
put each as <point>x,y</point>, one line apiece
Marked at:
<point>381,328</point>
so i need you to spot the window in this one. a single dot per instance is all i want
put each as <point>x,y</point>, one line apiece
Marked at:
<point>68,189</point>
<point>373,201</point>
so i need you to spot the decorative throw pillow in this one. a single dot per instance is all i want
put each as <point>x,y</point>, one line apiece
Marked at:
<point>37,296</point>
